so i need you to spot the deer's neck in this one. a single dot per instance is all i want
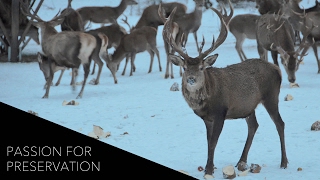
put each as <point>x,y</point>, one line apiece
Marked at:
<point>197,99</point>
<point>118,55</point>
<point>121,8</point>
<point>47,34</point>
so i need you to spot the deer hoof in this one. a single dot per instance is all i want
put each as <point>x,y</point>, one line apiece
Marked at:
<point>45,97</point>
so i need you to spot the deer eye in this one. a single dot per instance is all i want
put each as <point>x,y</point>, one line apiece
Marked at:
<point>184,67</point>
<point>201,67</point>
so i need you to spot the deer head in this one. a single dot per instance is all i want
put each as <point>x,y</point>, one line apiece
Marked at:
<point>45,25</point>
<point>194,67</point>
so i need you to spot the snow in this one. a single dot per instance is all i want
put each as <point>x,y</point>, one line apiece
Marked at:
<point>159,124</point>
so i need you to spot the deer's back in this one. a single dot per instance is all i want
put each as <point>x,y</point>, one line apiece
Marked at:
<point>241,87</point>
<point>97,14</point>
<point>70,47</point>
<point>244,24</point>
<point>278,32</point>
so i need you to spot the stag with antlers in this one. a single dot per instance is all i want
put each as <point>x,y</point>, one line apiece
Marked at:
<point>67,48</point>
<point>274,33</point>
<point>217,94</point>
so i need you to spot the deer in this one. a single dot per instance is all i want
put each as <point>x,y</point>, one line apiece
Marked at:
<point>233,92</point>
<point>243,26</point>
<point>305,22</point>
<point>274,33</point>
<point>114,32</point>
<point>139,40</point>
<point>103,14</point>
<point>174,31</point>
<point>190,23</point>
<point>150,16</point>
<point>73,21</point>
<point>32,32</point>
<point>294,6</point>
<point>67,48</point>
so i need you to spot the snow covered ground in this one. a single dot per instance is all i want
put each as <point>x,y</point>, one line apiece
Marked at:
<point>160,125</point>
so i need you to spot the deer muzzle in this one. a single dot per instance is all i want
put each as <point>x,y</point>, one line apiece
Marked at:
<point>191,80</point>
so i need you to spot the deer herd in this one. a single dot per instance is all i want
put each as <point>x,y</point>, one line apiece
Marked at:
<point>214,94</point>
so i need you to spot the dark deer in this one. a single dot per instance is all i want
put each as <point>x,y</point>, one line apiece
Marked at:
<point>67,48</point>
<point>243,26</point>
<point>104,14</point>
<point>150,16</point>
<point>275,34</point>
<point>73,21</point>
<point>305,22</point>
<point>174,32</point>
<point>291,6</point>
<point>217,94</point>
<point>114,32</point>
<point>139,40</point>
<point>190,23</point>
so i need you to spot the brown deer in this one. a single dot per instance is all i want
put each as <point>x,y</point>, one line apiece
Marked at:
<point>174,32</point>
<point>269,6</point>
<point>150,16</point>
<point>114,32</point>
<point>305,22</point>
<point>67,48</point>
<point>243,26</point>
<point>291,6</point>
<point>275,34</point>
<point>190,23</point>
<point>217,94</point>
<point>73,21</point>
<point>103,14</point>
<point>139,40</point>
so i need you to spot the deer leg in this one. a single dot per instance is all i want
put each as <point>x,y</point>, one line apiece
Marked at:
<point>49,81</point>
<point>58,82</point>
<point>241,54</point>
<point>167,49</point>
<point>93,69</point>
<point>274,55</point>
<point>196,39</point>
<point>133,56</point>
<point>125,65</point>
<point>155,50</point>
<point>73,79</point>
<point>214,125</point>
<point>315,50</point>
<point>151,59</point>
<point>86,69</point>
<point>262,52</point>
<point>271,105</point>
<point>252,128</point>
<point>98,61</point>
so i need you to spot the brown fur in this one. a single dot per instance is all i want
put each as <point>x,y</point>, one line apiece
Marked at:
<point>217,94</point>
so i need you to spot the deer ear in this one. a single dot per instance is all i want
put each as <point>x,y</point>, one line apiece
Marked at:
<point>210,60</point>
<point>56,22</point>
<point>176,60</point>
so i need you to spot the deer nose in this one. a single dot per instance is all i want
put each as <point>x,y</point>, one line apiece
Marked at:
<point>292,80</point>
<point>191,80</point>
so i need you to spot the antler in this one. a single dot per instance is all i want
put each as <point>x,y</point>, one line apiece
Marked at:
<point>25,9</point>
<point>304,42</point>
<point>167,36</point>
<point>161,13</point>
<point>223,32</point>
<point>126,22</point>
<point>225,16</point>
